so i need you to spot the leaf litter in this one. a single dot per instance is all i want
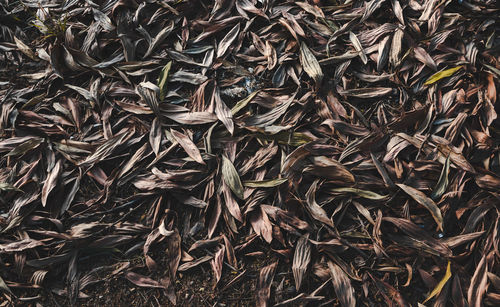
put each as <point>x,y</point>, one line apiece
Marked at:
<point>249,152</point>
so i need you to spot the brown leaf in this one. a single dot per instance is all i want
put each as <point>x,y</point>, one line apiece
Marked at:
<point>478,284</point>
<point>222,111</point>
<point>19,246</point>
<point>310,64</point>
<point>357,45</point>
<point>301,260</point>
<point>314,209</point>
<point>342,285</point>
<point>217,263</point>
<point>261,224</point>
<point>425,201</point>
<point>372,92</point>
<point>188,146</point>
<point>264,282</point>
<point>424,57</point>
<point>142,281</point>
<point>231,203</point>
<point>231,177</point>
<point>192,264</point>
<point>420,235</point>
<point>155,136</point>
<point>230,255</point>
<point>51,181</point>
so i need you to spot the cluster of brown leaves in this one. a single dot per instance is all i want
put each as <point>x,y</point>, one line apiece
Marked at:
<point>358,139</point>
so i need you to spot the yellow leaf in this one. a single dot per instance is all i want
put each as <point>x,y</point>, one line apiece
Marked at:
<point>442,74</point>
<point>441,284</point>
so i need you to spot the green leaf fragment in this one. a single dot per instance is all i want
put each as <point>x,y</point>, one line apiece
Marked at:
<point>162,79</point>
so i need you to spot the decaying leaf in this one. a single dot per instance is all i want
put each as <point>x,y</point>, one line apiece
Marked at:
<point>310,63</point>
<point>425,201</point>
<point>51,181</point>
<point>442,74</point>
<point>188,146</point>
<point>342,285</point>
<point>231,177</point>
<point>266,277</point>
<point>301,260</point>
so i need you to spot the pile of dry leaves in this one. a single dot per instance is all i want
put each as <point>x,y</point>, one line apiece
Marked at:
<point>327,152</point>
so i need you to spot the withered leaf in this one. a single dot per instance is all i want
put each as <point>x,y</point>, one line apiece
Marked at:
<point>231,177</point>
<point>442,183</point>
<point>51,181</point>
<point>261,224</point>
<point>361,193</point>
<point>265,183</point>
<point>424,57</point>
<point>222,111</point>
<point>372,92</point>
<point>442,74</point>
<point>314,209</point>
<point>155,136</point>
<point>162,79</point>
<point>357,45</point>
<point>301,259</point>
<point>226,42</point>
<point>19,246</point>
<point>441,284</point>
<point>267,119</point>
<point>425,201</point>
<point>266,276</point>
<point>142,281</point>
<point>310,63</point>
<point>188,145</point>
<point>189,265</point>
<point>217,263</point>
